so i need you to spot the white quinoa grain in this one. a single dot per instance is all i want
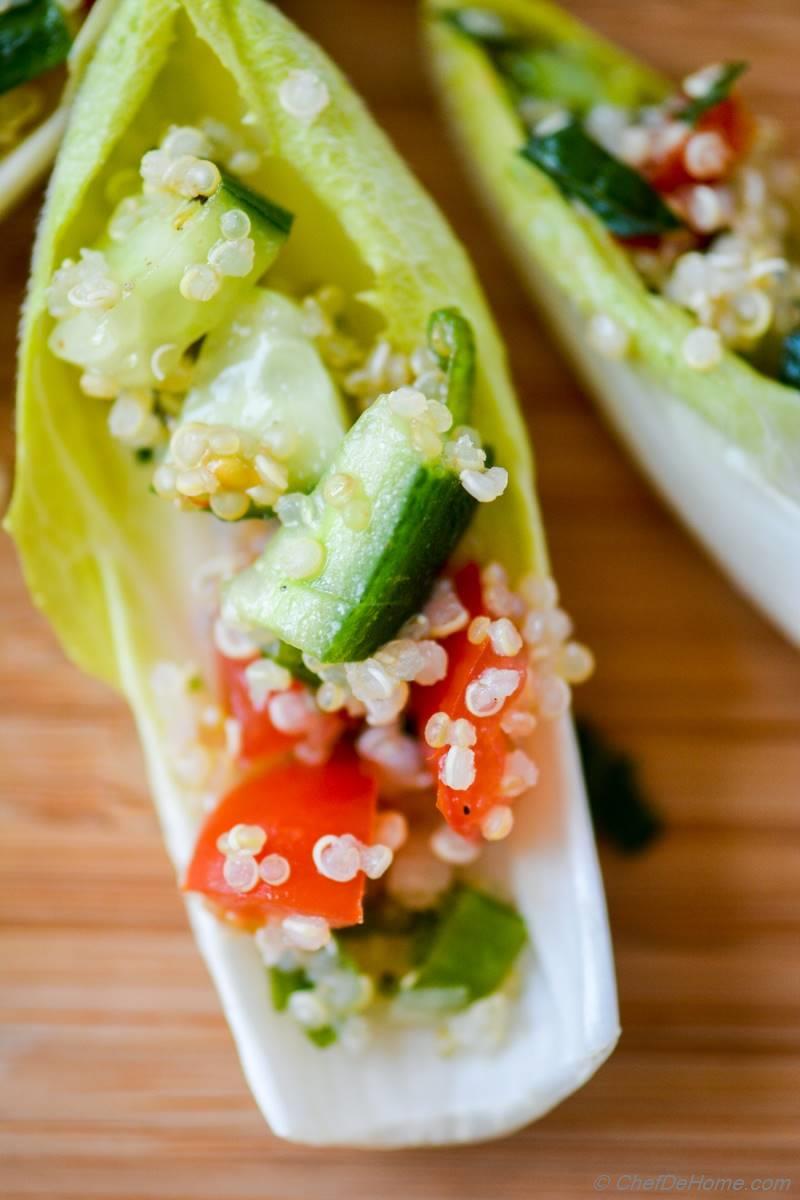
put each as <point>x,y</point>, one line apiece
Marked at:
<point>200,282</point>
<point>246,839</point>
<point>302,557</point>
<point>308,1009</point>
<point>229,505</point>
<point>505,637</point>
<point>302,94</point>
<point>485,486</point>
<point>437,730</point>
<point>706,155</point>
<point>457,768</point>
<point>520,774</point>
<point>450,847</point>
<point>702,349</point>
<point>244,161</point>
<point>240,872</point>
<point>498,823</point>
<point>306,933</point>
<point>337,858</point>
<point>463,733</point>
<point>607,336</point>
<point>391,829</point>
<point>264,677</point>
<point>274,869</point>
<point>576,662</point>
<point>234,224</point>
<point>487,694</point>
<point>478,630</point>
<point>376,860</point>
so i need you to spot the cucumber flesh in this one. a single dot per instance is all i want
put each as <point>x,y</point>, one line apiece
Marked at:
<point>34,37</point>
<point>372,579</point>
<point>169,235</point>
<point>259,371</point>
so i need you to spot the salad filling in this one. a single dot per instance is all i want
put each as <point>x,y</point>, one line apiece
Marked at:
<point>689,183</point>
<point>35,39</point>
<point>357,732</point>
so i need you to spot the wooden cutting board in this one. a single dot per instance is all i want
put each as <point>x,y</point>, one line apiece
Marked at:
<point>117,1076</point>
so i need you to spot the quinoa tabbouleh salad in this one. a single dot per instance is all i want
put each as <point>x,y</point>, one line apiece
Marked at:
<point>689,183</point>
<point>354,728</point>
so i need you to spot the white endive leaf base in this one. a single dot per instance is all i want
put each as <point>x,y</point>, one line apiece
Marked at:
<point>746,524</point>
<point>401,1090</point>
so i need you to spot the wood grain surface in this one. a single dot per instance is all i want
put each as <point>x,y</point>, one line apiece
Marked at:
<point>117,1076</point>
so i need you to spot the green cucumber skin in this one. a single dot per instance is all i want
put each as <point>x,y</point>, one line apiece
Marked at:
<point>452,341</point>
<point>372,579</point>
<point>260,207</point>
<point>436,513</point>
<point>33,38</point>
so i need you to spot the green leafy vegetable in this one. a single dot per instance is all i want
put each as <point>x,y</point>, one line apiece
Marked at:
<point>623,200</point>
<point>619,808</point>
<point>718,92</point>
<point>326,1035</point>
<point>473,946</point>
<point>282,984</point>
<point>34,37</point>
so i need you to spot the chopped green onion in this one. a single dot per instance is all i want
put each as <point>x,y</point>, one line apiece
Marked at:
<point>718,92</point>
<point>473,948</point>
<point>622,199</point>
<point>618,806</point>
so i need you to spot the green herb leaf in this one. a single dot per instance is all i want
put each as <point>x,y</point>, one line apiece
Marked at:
<point>789,367</point>
<point>619,809</point>
<point>34,37</point>
<point>718,92</point>
<point>473,947</point>
<point>283,983</point>
<point>326,1035</point>
<point>622,199</point>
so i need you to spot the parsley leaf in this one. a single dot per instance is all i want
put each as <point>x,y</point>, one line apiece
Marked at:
<point>622,199</point>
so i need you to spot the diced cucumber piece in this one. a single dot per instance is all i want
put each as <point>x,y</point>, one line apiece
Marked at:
<point>259,372</point>
<point>474,947</point>
<point>372,579</point>
<point>165,235</point>
<point>33,38</point>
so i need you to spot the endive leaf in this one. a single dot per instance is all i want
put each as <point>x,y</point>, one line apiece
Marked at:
<point>577,253</point>
<point>111,566</point>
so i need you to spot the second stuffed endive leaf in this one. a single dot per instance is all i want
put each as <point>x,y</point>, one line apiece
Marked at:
<point>113,567</point>
<point>722,445</point>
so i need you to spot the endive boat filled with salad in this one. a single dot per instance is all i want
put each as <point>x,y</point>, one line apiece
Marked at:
<point>273,484</point>
<point>44,45</point>
<point>657,224</point>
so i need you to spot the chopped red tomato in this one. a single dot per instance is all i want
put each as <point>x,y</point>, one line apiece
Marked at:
<point>465,809</point>
<point>731,120</point>
<point>259,737</point>
<point>295,805</point>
